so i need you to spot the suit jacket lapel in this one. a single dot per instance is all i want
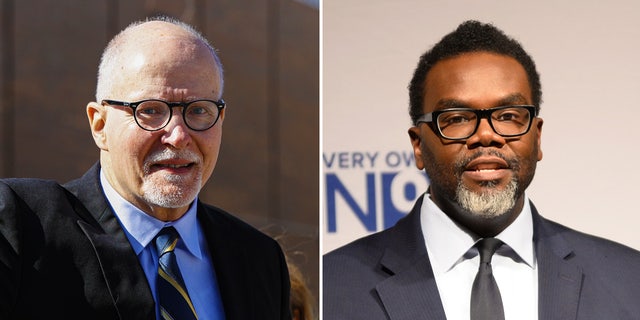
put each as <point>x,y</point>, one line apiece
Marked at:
<point>410,291</point>
<point>411,281</point>
<point>559,278</point>
<point>125,279</point>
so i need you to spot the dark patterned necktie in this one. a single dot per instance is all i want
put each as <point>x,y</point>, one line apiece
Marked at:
<point>172,297</point>
<point>486,303</point>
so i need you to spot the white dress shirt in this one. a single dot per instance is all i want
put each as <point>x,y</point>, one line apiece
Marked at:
<point>455,263</point>
<point>192,254</point>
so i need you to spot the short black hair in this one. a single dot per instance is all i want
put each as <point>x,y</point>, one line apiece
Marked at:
<point>470,36</point>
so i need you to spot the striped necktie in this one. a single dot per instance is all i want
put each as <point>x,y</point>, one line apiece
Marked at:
<point>172,297</point>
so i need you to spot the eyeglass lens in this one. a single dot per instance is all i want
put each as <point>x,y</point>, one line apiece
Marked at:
<point>458,124</point>
<point>199,115</point>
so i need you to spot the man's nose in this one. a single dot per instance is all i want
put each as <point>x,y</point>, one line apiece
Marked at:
<point>176,132</point>
<point>485,136</point>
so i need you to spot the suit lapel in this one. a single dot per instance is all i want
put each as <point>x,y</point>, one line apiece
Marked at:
<point>411,281</point>
<point>125,279</point>
<point>410,291</point>
<point>559,278</point>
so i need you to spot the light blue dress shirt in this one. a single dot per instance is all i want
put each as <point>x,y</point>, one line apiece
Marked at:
<point>192,254</point>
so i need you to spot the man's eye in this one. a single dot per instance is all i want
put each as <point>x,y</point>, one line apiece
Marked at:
<point>149,111</point>
<point>198,110</point>
<point>508,117</point>
<point>456,118</point>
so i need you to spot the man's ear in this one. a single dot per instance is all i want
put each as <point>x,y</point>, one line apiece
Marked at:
<point>538,124</point>
<point>416,142</point>
<point>223,112</point>
<point>97,119</point>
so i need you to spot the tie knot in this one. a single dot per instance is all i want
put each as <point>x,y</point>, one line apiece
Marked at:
<point>166,240</point>
<point>487,247</point>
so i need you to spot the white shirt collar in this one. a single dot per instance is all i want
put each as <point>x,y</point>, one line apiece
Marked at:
<point>141,228</point>
<point>447,242</point>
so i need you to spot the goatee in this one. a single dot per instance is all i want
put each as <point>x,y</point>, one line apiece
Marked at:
<point>488,204</point>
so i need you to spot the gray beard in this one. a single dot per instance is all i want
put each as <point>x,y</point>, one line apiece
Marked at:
<point>489,204</point>
<point>173,193</point>
<point>169,191</point>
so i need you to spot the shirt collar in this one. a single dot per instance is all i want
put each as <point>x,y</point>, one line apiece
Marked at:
<point>447,242</point>
<point>141,228</point>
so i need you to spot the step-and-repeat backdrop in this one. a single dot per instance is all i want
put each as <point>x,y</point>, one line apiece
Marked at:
<point>588,56</point>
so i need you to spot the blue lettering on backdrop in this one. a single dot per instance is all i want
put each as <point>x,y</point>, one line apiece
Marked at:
<point>391,213</point>
<point>349,160</point>
<point>395,159</point>
<point>335,186</point>
<point>365,210</point>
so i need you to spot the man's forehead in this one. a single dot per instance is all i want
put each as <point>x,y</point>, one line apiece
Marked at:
<point>482,78</point>
<point>158,36</point>
<point>478,57</point>
<point>175,48</point>
<point>509,99</point>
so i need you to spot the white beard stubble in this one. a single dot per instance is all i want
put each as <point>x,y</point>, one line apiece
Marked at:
<point>488,204</point>
<point>170,191</point>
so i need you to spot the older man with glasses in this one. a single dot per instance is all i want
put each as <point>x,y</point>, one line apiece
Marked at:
<point>130,240</point>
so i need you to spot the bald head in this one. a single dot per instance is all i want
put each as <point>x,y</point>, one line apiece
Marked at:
<point>156,48</point>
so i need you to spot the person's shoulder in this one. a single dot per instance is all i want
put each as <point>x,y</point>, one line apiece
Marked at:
<point>594,249</point>
<point>364,246</point>
<point>226,219</point>
<point>233,226</point>
<point>21,184</point>
<point>403,235</point>
<point>608,272</point>
<point>352,272</point>
<point>30,189</point>
<point>357,256</point>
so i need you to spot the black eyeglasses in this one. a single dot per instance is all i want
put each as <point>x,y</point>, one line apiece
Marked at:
<point>153,114</point>
<point>462,123</point>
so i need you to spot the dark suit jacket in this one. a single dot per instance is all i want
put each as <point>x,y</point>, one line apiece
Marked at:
<point>388,275</point>
<point>63,255</point>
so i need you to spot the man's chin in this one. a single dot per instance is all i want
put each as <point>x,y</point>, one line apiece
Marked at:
<point>488,214</point>
<point>169,202</point>
<point>489,201</point>
<point>170,195</point>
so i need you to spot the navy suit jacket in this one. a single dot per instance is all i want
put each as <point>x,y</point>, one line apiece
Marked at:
<point>388,275</point>
<point>63,255</point>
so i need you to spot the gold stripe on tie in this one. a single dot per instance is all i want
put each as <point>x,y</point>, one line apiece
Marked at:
<point>178,288</point>
<point>172,295</point>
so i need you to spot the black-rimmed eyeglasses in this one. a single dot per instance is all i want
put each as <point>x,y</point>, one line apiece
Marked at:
<point>153,114</point>
<point>462,123</point>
